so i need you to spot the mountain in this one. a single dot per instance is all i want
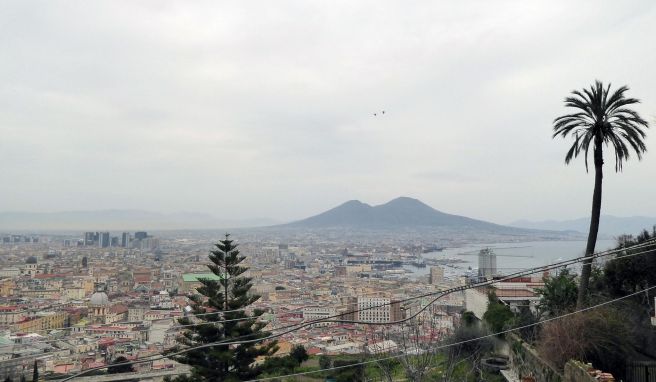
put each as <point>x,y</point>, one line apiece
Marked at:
<point>608,225</point>
<point>118,220</point>
<point>401,212</point>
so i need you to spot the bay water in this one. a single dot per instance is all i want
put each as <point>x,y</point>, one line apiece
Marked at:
<point>512,257</point>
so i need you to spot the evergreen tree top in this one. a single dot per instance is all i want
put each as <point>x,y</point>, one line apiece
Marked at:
<point>227,294</point>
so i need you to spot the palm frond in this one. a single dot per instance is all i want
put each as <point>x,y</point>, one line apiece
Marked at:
<point>603,119</point>
<point>618,96</point>
<point>605,96</point>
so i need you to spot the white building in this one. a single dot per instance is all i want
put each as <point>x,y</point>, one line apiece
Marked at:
<point>10,272</point>
<point>520,292</point>
<point>374,309</point>
<point>319,312</point>
<point>487,263</point>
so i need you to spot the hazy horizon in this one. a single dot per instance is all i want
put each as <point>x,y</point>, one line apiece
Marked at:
<point>265,110</point>
<point>121,219</point>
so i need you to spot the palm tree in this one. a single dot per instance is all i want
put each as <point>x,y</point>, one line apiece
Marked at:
<point>601,119</point>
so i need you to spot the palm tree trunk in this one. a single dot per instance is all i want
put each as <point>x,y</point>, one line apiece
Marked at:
<point>594,226</point>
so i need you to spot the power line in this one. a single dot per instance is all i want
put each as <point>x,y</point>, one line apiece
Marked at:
<point>189,316</point>
<point>85,328</point>
<point>440,294</point>
<point>512,275</point>
<point>464,341</point>
<point>331,319</point>
<point>295,327</point>
<point>387,358</point>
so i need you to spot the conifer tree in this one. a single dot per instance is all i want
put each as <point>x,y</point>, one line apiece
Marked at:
<point>226,299</point>
<point>119,366</point>
<point>35,372</point>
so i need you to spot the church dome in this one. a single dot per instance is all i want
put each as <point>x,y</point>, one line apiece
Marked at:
<point>99,299</point>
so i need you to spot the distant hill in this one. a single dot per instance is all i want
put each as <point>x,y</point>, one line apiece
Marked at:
<point>608,225</point>
<point>119,220</point>
<point>401,212</point>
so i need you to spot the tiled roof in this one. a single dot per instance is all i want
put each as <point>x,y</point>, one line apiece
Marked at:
<point>514,293</point>
<point>193,277</point>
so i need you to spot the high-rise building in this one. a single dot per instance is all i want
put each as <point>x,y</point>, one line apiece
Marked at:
<point>90,238</point>
<point>114,241</point>
<point>487,263</point>
<point>397,312</point>
<point>436,275</point>
<point>148,244</point>
<point>103,239</point>
<point>125,239</point>
<point>283,251</point>
<point>140,235</point>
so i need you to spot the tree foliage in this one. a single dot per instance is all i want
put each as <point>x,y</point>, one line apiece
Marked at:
<point>288,363</point>
<point>280,365</point>
<point>631,274</point>
<point>325,362</point>
<point>119,366</point>
<point>226,301</point>
<point>465,349</point>
<point>354,373</point>
<point>611,334</point>
<point>600,119</point>
<point>299,354</point>
<point>559,293</point>
<point>468,318</point>
<point>497,314</point>
<point>526,321</point>
<point>622,276</point>
<point>602,336</point>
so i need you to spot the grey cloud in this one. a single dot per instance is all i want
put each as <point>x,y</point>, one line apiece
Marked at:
<point>156,105</point>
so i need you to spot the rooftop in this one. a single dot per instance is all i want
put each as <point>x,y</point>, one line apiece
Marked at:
<point>194,277</point>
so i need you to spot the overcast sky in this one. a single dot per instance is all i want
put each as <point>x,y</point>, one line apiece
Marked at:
<point>265,109</point>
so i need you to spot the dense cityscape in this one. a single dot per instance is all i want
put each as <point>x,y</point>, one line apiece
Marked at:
<point>78,302</point>
<point>69,303</point>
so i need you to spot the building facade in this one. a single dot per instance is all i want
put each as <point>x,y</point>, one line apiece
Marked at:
<point>436,276</point>
<point>487,264</point>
